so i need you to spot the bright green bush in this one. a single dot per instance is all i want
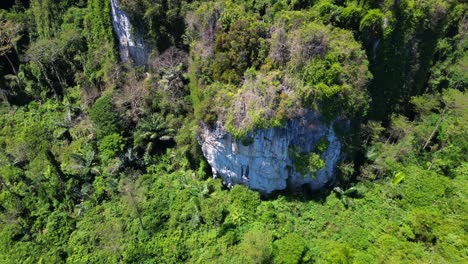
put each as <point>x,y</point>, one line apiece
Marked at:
<point>289,249</point>
<point>371,24</point>
<point>306,163</point>
<point>110,146</point>
<point>104,116</point>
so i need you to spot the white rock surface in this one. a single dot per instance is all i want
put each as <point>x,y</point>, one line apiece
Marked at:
<point>265,164</point>
<point>131,46</point>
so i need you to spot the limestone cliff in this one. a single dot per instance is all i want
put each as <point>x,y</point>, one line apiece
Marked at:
<point>264,164</point>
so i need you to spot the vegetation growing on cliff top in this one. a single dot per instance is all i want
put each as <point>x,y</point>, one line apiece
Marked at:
<point>99,160</point>
<point>297,64</point>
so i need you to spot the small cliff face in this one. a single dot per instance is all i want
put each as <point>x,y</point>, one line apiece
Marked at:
<point>131,46</point>
<point>265,164</point>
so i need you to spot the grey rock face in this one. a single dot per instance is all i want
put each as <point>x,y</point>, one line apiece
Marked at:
<point>265,165</point>
<point>130,46</point>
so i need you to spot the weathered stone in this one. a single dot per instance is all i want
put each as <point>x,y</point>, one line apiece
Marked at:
<point>265,165</point>
<point>131,46</point>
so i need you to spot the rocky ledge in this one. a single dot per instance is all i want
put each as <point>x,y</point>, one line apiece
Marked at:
<point>263,162</point>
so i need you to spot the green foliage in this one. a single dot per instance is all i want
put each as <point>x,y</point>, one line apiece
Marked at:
<point>246,141</point>
<point>259,103</point>
<point>104,116</point>
<point>83,183</point>
<point>401,57</point>
<point>243,203</point>
<point>289,249</point>
<point>160,22</point>
<point>256,246</point>
<point>351,16</point>
<point>98,33</point>
<point>322,145</point>
<point>371,25</point>
<point>152,131</point>
<point>110,146</point>
<point>451,57</point>
<point>311,66</point>
<point>243,46</point>
<point>306,163</point>
<point>433,139</point>
<point>333,69</point>
<point>399,177</point>
<point>47,15</point>
<point>52,63</point>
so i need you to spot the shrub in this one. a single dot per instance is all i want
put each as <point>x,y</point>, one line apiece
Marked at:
<point>289,249</point>
<point>104,116</point>
<point>110,146</point>
<point>306,163</point>
<point>371,26</point>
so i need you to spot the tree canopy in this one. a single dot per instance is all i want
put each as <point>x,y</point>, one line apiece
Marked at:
<point>100,160</point>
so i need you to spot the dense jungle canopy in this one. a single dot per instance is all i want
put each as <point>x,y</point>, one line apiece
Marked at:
<point>99,158</point>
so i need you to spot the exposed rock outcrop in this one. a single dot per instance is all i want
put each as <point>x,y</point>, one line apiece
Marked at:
<point>131,46</point>
<point>265,164</point>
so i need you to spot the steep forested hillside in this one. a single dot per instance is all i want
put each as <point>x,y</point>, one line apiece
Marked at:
<point>100,160</point>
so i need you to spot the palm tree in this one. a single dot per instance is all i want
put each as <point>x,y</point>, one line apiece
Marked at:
<point>152,131</point>
<point>85,164</point>
<point>63,127</point>
<point>346,196</point>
